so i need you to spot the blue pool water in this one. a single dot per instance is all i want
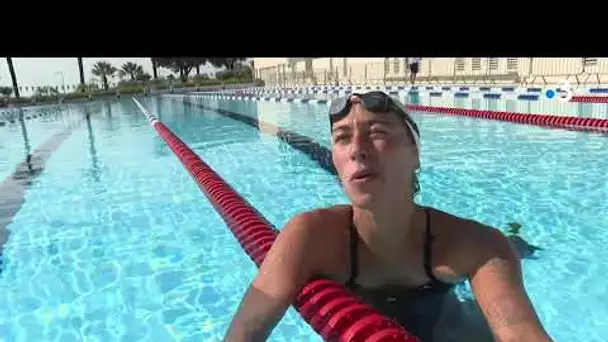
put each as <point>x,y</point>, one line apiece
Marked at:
<point>116,243</point>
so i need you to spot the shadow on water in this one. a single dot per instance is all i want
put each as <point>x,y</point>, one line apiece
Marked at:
<point>158,111</point>
<point>523,248</point>
<point>110,117</point>
<point>413,98</point>
<point>95,170</point>
<point>160,148</point>
<point>26,141</point>
<point>28,169</point>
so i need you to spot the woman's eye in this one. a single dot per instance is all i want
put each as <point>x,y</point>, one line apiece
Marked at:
<point>378,133</point>
<point>338,138</point>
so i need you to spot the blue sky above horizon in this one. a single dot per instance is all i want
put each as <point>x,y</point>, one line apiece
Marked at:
<point>48,71</point>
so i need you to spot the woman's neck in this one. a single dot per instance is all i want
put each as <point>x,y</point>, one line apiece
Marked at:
<point>386,229</point>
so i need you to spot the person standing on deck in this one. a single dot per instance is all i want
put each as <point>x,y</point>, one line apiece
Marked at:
<point>414,65</point>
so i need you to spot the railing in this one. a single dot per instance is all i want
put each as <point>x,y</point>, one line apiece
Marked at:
<point>482,71</point>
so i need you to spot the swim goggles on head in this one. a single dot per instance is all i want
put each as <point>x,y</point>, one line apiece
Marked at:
<point>375,102</point>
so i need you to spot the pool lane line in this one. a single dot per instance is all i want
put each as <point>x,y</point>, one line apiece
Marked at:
<point>13,188</point>
<point>307,145</point>
<point>330,309</point>
<point>529,94</point>
<point>481,92</point>
<point>589,99</point>
<point>572,123</point>
<point>580,97</point>
<point>311,89</point>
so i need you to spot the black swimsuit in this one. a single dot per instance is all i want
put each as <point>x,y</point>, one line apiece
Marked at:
<point>417,310</point>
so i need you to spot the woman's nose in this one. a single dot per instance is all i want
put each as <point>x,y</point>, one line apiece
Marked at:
<point>359,147</point>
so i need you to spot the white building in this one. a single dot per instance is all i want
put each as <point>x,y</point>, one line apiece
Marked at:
<point>480,70</point>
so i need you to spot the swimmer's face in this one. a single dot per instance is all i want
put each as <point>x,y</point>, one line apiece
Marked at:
<point>374,155</point>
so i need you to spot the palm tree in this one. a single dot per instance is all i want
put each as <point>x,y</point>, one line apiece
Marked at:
<point>154,68</point>
<point>131,69</point>
<point>11,70</point>
<point>81,71</point>
<point>140,75</point>
<point>104,70</point>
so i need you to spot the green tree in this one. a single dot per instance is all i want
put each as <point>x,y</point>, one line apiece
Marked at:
<point>6,91</point>
<point>42,91</point>
<point>104,70</point>
<point>140,75</point>
<point>181,65</point>
<point>230,63</point>
<point>131,69</point>
<point>11,70</point>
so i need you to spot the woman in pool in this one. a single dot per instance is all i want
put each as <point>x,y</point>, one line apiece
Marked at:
<point>402,258</point>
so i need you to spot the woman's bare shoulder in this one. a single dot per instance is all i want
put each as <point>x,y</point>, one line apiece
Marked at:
<point>466,242</point>
<point>325,230</point>
<point>334,217</point>
<point>460,229</point>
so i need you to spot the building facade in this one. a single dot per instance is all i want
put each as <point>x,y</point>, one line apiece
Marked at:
<point>480,70</point>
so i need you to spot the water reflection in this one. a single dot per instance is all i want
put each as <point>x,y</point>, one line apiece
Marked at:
<point>511,105</point>
<point>460,102</point>
<point>95,170</point>
<point>475,103</point>
<point>492,104</point>
<point>26,141</point>
<point>413,98</point>
<point>157,110</point>
<point>111,120</point>
<point>585,109</point>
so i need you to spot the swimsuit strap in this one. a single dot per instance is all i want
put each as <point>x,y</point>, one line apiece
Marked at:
<point>354,254</point>
<point>428,243</point>
<point>428,250</point>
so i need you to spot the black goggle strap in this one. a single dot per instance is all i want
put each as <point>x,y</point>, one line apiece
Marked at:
<point>338,105</point>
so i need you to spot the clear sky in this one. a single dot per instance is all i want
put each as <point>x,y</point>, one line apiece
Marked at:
<point>48,71</point>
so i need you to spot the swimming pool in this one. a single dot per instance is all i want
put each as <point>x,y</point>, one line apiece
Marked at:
<point>115,243</point>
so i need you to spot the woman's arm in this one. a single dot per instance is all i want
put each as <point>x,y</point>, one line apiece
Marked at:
<point>286,269</point>
<point>496,279</point>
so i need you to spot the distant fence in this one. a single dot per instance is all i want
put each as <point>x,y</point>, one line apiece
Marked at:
<point>523,71</point>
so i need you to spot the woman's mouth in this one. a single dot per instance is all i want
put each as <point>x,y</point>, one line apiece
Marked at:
<point>363,176</point>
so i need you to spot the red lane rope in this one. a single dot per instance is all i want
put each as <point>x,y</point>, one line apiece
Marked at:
<point>330,309</point>
<point>567,122</point>
<point>589,99</point>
